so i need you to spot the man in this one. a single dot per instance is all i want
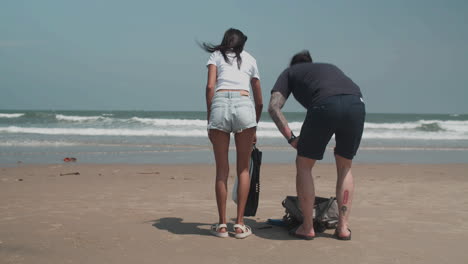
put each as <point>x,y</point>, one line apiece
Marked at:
<point>334,107</point>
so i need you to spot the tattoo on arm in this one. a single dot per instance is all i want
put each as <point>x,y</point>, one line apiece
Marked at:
<point>277,101</point>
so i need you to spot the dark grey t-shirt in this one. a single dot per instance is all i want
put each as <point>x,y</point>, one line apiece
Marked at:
<point>312,82</point>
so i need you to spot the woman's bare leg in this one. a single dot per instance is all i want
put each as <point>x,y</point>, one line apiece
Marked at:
<point>220,141</point>
<point>244,142</point>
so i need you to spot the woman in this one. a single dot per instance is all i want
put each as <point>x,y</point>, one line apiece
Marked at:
<point>230,109</point>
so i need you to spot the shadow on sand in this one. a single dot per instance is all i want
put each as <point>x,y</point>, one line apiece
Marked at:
<point>263,230</point>
<point>177,226</point>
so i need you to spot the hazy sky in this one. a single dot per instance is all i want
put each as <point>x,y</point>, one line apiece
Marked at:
<point>408,56</point>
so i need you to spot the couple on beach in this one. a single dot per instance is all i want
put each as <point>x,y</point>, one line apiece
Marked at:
<point>334,107</point>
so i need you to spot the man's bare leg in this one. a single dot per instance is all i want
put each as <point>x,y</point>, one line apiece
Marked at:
<point>306,194</point>
<point>344,193</point>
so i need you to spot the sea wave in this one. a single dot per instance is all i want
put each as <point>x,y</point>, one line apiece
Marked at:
<point>12,115</point>
<point>272,126</point>
<point>170,122</point>
<point>103,131</point>
<point>201,132</point>
<point>425,125</point>
<point>197,123</point>
<point>414,135</point>
<point>36,143</point>
<point>40,116</point>
<point>96,121</point>
<point>80,118</point>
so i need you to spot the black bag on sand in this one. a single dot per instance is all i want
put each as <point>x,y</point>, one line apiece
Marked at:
<point>254,191</point>
<point>325,213</point>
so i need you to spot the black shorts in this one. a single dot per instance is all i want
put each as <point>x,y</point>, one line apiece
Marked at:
<point>342,115</point>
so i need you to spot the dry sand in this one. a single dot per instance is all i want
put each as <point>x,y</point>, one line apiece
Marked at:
<point>161,214</point>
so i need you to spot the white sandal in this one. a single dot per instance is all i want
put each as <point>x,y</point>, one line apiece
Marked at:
<point>215,230</point>
<point>246,231</point>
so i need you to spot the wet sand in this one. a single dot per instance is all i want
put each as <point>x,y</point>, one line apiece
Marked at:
<point>119,213</point>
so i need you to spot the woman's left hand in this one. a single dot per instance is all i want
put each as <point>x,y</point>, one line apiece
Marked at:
<point>209,135</point>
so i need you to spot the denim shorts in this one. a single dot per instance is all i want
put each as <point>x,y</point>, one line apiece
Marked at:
<point>232,112</point>
<point>341,115</point>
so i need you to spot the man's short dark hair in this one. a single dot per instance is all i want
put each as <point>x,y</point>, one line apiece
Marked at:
<point>301,57</point>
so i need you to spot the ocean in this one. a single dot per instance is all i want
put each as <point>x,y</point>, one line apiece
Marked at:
<point>157,137</point>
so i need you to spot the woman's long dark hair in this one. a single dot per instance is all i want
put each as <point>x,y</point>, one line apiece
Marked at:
<point>233,41</point>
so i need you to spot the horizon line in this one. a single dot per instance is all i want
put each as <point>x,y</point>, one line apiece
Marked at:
<point>203,111</point>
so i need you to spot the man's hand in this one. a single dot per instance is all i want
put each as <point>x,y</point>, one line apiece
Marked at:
<point>294,142</point>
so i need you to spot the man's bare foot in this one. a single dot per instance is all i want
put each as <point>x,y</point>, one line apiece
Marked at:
<point>343,233</point>
<point>301,232</point>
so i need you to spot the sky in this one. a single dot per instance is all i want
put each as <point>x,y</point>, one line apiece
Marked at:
<point>406,56</point>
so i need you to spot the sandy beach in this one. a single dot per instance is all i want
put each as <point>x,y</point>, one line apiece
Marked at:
<point>79,213</point>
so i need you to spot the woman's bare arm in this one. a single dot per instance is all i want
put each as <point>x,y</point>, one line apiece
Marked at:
<point>210,87</point>
<point>257,93</point>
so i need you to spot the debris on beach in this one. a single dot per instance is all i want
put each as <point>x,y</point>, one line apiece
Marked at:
<point>70,173</point>
<point>156,172</point>
<point>69,159</point>
<point>265,227</point>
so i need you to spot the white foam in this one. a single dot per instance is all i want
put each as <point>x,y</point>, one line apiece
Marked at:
<point>459,126</point>
<point>80,118</point>
<point>200,123</point>
<point>452,125</point>
<point>395,126</point>
<point>103,132</point>
<point>13,115</point>
<point>201,132</point>
<point>170,122</point>
<point>35,143</point>
<point>414,135</point>
<point>270,125</point>
<point>189,124</point>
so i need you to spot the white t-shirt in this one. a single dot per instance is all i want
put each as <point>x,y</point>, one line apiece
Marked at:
<point>229,76</point>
